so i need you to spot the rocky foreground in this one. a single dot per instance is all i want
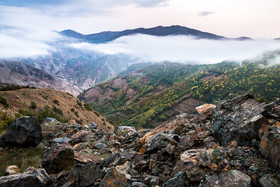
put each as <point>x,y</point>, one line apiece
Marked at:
<point>235,144</point>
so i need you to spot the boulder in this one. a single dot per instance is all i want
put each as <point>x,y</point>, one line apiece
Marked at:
<point>114,179</point>
<point>270,180</point>
<point>31,177</point>
<point>82,136</point>
<point>270,145</point>
<point>13,169</point>
<point>85,174</point>
<point>58,157</point>
<point>179,181</point>
<point>240,119</point>
<point>51,125</point>
<point>206,109</point>
<point>25,131</point>
<point>232,178</point>
<point>125,130</point>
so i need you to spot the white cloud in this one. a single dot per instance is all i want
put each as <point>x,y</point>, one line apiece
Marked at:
<point>22,42</point>
<point>183,49</point>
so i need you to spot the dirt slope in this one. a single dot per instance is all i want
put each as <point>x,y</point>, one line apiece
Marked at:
<point>71,107</point>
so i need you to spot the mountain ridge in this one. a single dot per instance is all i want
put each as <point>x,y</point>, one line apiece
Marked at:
<point>107,36</point>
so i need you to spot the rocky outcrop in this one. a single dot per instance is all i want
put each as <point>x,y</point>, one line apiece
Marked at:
<point>238,119</point>
<point>188,151</point>
<point>59,157</point>
<point>31,177</point>
<point>25,131</point>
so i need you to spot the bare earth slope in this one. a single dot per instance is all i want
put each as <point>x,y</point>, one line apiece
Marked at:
<point>71,107</point>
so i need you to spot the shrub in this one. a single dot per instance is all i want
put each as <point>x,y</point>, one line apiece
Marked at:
<point>23,158</point>
<point>14,87</point>
<point>56,102</point>
<point>77,114</point>
<point>5,122</point>
<point>87,107</point>
<point>3,101</point>
<point>72,109</point>
<point>33,105</point>
<point>57,110</point>
<point>79,103</point>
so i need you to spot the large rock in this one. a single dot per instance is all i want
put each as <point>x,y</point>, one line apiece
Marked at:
<point>82,136</point>
<point>239,119</point>
<point>31,177</point>
<point>51,125</point>
<point>206,109</point>
<point>85,174</point>
<point>125,130</point>
<point>270,145</point>
<point>232,178</point>
<point>270,180</point>
<point>114,179</point>
<point>59,157</point>
<point>25,131</point>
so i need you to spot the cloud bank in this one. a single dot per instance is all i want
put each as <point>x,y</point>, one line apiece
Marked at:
<point>183,49</point>
<point>23,42</point>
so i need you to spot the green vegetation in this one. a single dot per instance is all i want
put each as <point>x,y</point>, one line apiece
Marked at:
<point>56,102</point>
<point>5,122</point>
<point>3,101</point>
<point>23,158</point>
<point>14,87</point>
<point>159,88</point>
<point>87,107</point>
<point>54,112</point>
<point>33,105</point>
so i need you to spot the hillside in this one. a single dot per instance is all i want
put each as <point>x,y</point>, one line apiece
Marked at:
<point>155,31</point>
<point>157,93</point>
<point>18,73</point>
<point>60,103</point>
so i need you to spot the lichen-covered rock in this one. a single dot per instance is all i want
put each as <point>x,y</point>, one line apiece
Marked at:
<point>58,157</point>
<point>179,180</point>
<point>31,177</point>
<point>114,179</point>
<point>233,178</point>
<point>82,136</point>
<point>270,145</point>
<point>270,180</point>
<point>125,130</point>
<point>206,109</point>
<point>85,174</point>
<point>13,169</point>
<point>25,131</point>
<point>238,119</point>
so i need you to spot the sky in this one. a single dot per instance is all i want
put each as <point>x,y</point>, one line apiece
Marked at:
<point>258,19</point>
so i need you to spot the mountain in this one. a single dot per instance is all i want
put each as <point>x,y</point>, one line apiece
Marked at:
<point>81,68</point>
<point>154,94</point>
<point>19,73</point>
<point>48,102</point>
<point>107,36</point>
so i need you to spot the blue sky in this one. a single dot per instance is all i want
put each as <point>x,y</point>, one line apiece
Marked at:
<point>231,18</point>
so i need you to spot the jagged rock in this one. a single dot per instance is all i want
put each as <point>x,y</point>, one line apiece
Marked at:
<point>179,181</point>
<point>125,130</point>
<point>62,140</point>
<point>82,136</point>
<point>13,169</point>
<point>162,142</point>
<point>100,145</point>
<point>92,126</point>
<point>51,125</point>
<point>138,184</point>
<point>233,178</point>
<point>114,179</point>
<point>25,131</point>
<point>31,177</point>
<point>239,119</point>
<point>206,109</point>
<point>270,180</point>
<point>124,169</point>
<point>270,145</point>
<point>58,157</point>
<point>85,174</point>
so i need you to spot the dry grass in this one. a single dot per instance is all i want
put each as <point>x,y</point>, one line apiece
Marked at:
<point>23,158</point>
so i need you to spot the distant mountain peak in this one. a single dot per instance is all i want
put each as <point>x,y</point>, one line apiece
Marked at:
<point>107,36</point>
